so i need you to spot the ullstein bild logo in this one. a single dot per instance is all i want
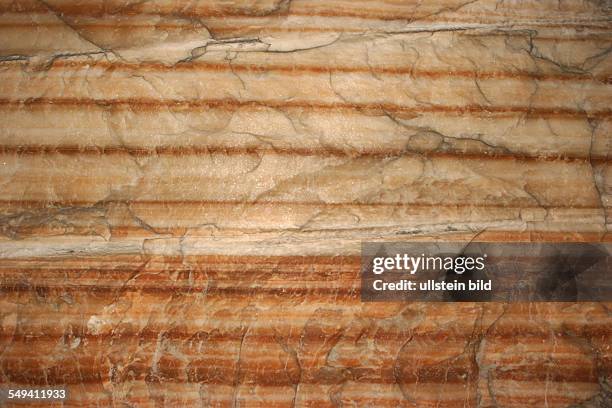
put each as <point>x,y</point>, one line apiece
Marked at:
<point>508,272</point>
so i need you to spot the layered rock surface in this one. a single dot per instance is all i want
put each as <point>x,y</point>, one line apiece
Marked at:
<point>186,186</point>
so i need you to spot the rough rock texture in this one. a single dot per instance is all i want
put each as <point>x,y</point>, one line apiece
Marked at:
<point>185,185</point>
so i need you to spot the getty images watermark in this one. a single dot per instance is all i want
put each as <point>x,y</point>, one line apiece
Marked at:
<point>486,272</point>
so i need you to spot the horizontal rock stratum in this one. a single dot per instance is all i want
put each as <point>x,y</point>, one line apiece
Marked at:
<point>186,184</point>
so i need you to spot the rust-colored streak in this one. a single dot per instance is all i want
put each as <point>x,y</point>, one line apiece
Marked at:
<point>75,150</point>
<point>149,104</point>
<point>209,373</point>
<point>219,292</point>
<point>301,69</point>
<point>336,11</point>
<point>246,203</point>
<point>264,336</point>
